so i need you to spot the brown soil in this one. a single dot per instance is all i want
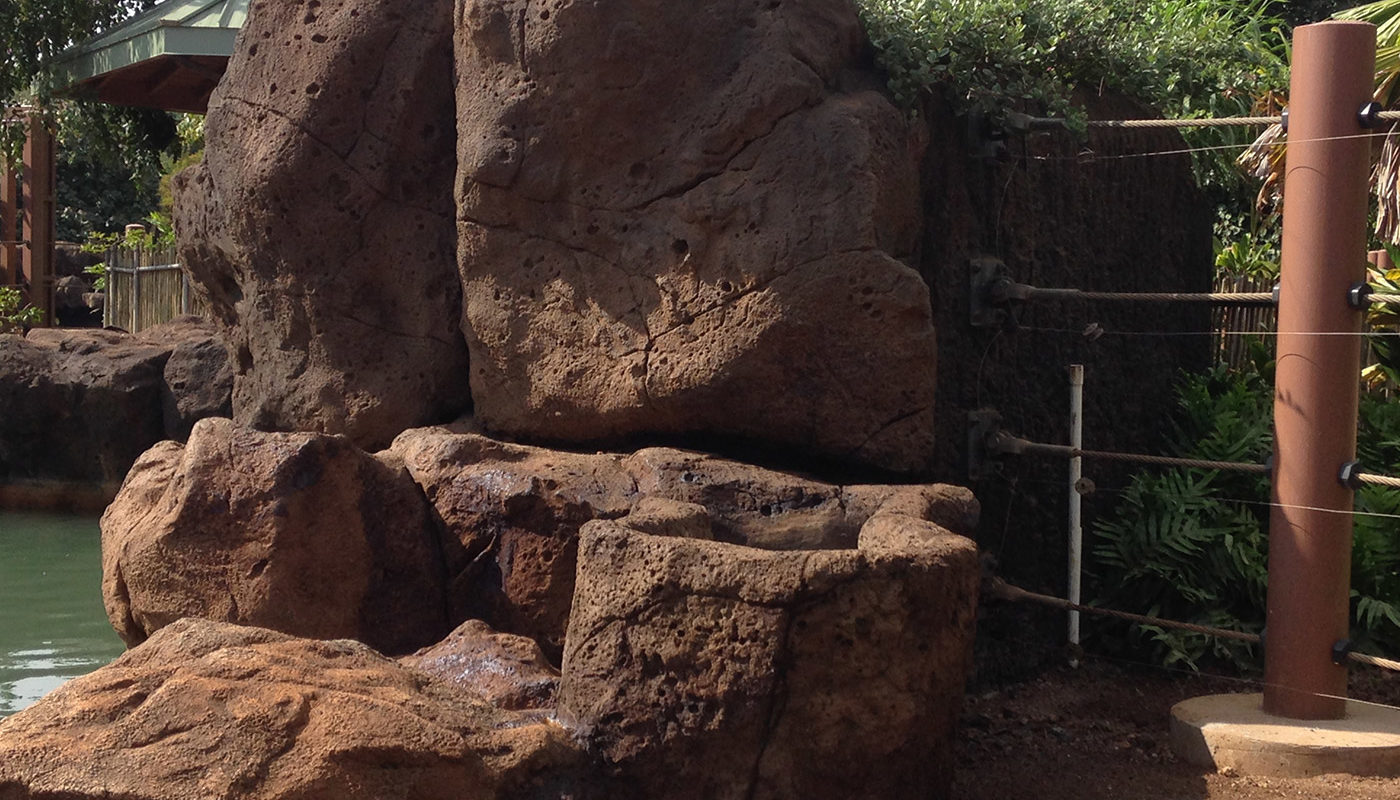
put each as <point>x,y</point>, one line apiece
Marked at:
<point>1100,731</point>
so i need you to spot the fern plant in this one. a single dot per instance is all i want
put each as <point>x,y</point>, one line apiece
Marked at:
<point>1192,544</point>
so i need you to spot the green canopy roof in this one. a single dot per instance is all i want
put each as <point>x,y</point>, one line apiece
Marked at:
<point>169,57</point>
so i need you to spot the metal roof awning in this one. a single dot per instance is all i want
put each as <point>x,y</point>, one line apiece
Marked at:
<point>169,57</point>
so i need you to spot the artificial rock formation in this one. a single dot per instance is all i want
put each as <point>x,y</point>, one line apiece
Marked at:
<point>299,532</point>
<point>511,514</point>
<point>320,223</point>
<point>701,669</point>
<point>687,217</point>
<point>507,670</point>
<point>198,376</point>
<point>207,709</point>
<point>82,405</point>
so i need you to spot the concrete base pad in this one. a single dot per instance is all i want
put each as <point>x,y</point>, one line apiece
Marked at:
<point>1231,732</point>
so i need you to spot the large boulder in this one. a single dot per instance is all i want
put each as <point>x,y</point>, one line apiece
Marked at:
<point>717,252</point>
<point>77,405</point>
<point>208,709</point>
<point>198,376</point>
<point>511,514</point>
<point>702,669</point>
<point>81,405</point>
<point>320,226</point>
<point>302,533</point>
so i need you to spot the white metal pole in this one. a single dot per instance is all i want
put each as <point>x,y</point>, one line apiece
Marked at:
<point>1076,533</point>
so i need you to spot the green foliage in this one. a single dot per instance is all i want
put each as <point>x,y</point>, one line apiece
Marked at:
<point>1192,544</point>
<point>1186,58</point>
<point>14,315</point>
<point>1179,545</point>
<point>1000,54</point>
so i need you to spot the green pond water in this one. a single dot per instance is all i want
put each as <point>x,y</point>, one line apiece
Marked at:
<point>52,626</point>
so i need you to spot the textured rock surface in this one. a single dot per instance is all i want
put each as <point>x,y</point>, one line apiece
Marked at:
<point>705,670</point>
<point>77,405</point>
<point>718,254</point>
<point>508,671</point>
<point>302,533</point>
<point>511,514</point>
<point>198,377</point>
<point>207,709</point>
<point>320,223</point>
<point>83,405</point>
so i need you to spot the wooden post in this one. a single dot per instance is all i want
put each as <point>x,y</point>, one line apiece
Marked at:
<point>1316,388</point>
<point>40,178</point>
<point>9,226</point>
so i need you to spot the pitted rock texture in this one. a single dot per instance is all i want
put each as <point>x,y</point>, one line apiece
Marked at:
<point>78,405</point>
<point>663,233</point>
<point>207,709</point>
<point>707,670</point>
<point>198,377</point>
<point>320,223</point>
<point>302,533</point>
<point>509,671</point>
<point>511,515</point>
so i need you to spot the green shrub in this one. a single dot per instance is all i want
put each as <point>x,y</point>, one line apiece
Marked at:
<point>1192,544</point>
<point>14,314</point>
<point>1180,55</point>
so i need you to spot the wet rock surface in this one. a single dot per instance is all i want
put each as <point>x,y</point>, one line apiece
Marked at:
<point>298,532</point>
<point>206,709</point>
<point>511,514</point>
<point>507,670</point>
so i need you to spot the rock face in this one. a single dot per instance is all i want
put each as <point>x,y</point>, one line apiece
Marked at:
<point>508,671</point>
<point>78,405</point>
<point>320,223</point>
<point>706,670</point>
<point>198,376</point>
<point>83,405</point>
<point>511,515</point>
<point>302,533</point>
<point>206,709</point>
<point>718,254</point>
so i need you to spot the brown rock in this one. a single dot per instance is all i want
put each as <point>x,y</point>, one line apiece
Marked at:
<point>207,709</point>
<point>198,377</point>
<point>77,405</point>
<point>511,515</point>
<point>508,671</point>
<point>320,224</point>
<point>705,670</point>
<point>719,252</point>
<point>302,533</point>
<point>749,505</point>
<point>661,517</point>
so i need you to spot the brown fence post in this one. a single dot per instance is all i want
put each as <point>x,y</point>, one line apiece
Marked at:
<point>9,229</point>
<point>1315,399</point>
<point>40,173</point>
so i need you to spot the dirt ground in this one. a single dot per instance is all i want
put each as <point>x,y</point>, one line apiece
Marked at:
<point>1100,731</point>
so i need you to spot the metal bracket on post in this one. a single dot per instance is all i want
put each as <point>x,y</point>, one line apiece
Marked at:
<point>1359,296</point>
<point>991,293</point>
<point>1350,475</point>
<point>1370,115</point>
<point>1340,650</point>
<point>983,425</point>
